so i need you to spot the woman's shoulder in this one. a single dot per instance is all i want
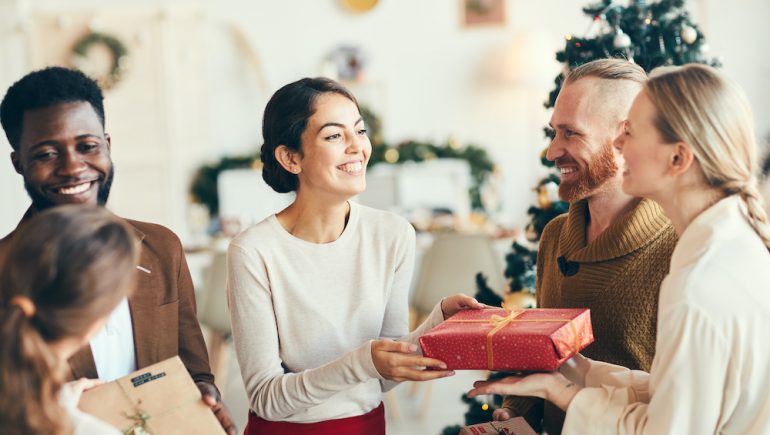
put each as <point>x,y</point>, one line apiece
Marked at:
<point>260,234</point>
<point>383,220</point>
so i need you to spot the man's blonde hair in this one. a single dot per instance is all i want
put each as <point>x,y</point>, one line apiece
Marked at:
<point>608,69</point>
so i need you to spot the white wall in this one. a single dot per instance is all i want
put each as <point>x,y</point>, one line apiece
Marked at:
<point>13,199</point>
<point>738,33</point>
<point>425,77</point>
<point>426,74</point>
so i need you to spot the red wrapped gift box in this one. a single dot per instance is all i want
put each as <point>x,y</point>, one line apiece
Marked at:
<point>503,340</point>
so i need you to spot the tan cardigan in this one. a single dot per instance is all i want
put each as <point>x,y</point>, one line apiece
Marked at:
<point>617,276</point>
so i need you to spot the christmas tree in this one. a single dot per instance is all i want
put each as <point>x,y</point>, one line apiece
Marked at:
<point>651,34</point>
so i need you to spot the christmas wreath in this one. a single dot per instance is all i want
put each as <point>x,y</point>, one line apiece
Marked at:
<point>118,52</point>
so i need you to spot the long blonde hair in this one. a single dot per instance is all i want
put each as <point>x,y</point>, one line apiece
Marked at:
<point>71,265</point>
<point>698,105</point>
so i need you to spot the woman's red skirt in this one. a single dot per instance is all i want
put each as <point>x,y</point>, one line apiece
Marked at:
<point>371,423</point>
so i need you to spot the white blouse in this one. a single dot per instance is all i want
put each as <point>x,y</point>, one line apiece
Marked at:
<point>711,372</point>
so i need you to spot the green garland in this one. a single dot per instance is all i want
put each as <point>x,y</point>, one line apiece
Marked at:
<point>412,151</point>
<point>118,50</point>
<point>204,184</point>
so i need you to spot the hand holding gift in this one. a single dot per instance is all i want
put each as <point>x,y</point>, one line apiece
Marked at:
<point>397,361</point>
<point>454,304</point>
<point>503,340</point>
<point>553,387</point>
<point>213,400</point>
<point>502,414</point>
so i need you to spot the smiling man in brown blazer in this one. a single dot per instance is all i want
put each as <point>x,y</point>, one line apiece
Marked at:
<point>54,121</point>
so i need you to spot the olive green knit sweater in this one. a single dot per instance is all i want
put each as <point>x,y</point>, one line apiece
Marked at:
<point>617,276</point>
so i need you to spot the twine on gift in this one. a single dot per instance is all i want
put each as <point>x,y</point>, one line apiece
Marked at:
<point>501,322</point>
<point>139,425</point>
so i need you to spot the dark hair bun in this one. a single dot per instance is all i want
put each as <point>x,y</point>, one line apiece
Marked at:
<point>275,175</point>
<point>285,118</point>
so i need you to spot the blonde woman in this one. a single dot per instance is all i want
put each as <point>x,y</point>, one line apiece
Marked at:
<point>688,144</point>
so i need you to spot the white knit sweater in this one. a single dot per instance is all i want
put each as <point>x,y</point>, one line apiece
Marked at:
<point>304,314</point>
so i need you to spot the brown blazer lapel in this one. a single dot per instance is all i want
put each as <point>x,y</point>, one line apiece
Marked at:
<point>82,364</point>
<point>142,305</point>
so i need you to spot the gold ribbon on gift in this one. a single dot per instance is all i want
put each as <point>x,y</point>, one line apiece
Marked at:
<point>501,322</point>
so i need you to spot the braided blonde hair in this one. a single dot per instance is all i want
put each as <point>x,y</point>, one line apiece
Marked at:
<point>698,105</point>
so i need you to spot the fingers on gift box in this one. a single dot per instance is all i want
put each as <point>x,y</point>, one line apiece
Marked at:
<point>160,399</point>
<point>502,340</point>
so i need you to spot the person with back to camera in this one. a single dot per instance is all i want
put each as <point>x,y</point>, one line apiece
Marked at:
<point>318,291</point>
<point>65,273</point>
<point>689,145</point>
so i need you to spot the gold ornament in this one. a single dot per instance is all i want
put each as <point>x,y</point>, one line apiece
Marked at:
<point>391,155</point>
<point>543,200</point>
<point>359,6</point>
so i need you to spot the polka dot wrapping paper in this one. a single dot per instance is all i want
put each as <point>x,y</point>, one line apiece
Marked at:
<point>501,340</point>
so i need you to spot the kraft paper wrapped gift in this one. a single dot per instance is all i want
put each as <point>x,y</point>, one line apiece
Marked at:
<point>514,426</point>
<point>160,399</point>
<point>502,340</point>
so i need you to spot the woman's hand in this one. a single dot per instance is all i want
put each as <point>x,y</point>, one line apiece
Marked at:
<point>397,361</point>
<point>553,387</point>
<point>452,304</point>
<point>83,384</point>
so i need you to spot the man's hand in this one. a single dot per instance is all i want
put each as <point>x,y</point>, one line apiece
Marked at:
<point>452,304</point>
<point>502,414</point>
<point>553,387</point>
<point>211,397</point>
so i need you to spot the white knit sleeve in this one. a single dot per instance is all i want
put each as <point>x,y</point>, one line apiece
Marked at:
<point>274,394</point>
<point>396,320</point>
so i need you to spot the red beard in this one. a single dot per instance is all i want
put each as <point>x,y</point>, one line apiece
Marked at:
<point>602,168</point>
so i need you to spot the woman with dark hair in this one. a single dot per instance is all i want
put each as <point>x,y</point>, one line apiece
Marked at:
<point>318,291</point>
<point>64,274</point>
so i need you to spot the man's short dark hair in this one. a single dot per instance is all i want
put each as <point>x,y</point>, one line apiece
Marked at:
<point>45,88</point>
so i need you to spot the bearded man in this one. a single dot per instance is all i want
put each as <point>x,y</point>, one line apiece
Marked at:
<point>610,251</point>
